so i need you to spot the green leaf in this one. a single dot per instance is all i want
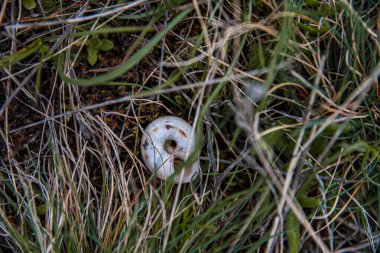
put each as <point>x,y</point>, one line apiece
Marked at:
<point>20,54</point>
<point>106,45</point>
<point>41,209</point>
<point>133,60</point>
<point>307,202</point>
<point>44,49</point>
<point>39,73</point>
<point>92,55</point>
<point>293,232</point>
<point>318,145</point>
<point>94,42</point>
<point>29,4</point>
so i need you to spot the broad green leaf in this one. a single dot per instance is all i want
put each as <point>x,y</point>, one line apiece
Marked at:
<point>29,4</point>
<point>106,45</point>
<point>94,42</point>
<point>92,55</point>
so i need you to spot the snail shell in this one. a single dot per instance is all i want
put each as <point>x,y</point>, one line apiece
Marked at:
<point>167,141</point>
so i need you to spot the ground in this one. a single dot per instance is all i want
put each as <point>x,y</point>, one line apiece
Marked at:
<point>283,97</point>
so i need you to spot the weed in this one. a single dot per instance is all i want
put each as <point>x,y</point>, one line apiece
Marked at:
<point>283,97</point>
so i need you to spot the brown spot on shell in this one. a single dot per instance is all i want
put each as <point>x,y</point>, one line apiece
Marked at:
<point>177,161</point>
<point>146,157</point>
<point>145,144</point>
<point>169,126</point>
<point>183,133</point>
<point>187,172</point>
<point>154,130</point>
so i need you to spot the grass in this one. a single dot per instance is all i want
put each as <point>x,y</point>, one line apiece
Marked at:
<point>283,97</point>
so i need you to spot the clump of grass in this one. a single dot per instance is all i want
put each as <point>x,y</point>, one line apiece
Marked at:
<point>283,97</point>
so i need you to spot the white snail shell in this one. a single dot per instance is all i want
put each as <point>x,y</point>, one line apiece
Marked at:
<point>166,141</point>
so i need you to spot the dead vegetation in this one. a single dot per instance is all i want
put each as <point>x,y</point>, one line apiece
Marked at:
<point>283,95</point>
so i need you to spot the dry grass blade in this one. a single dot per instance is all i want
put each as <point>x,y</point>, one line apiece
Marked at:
<point>283,97</point>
